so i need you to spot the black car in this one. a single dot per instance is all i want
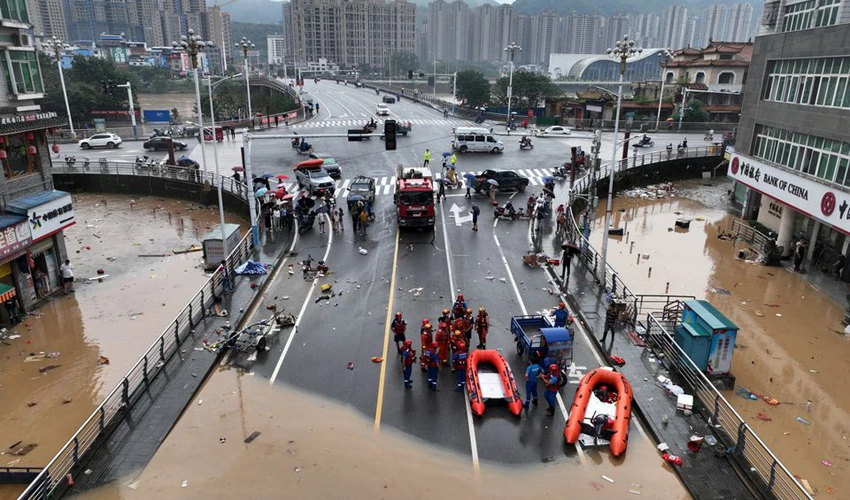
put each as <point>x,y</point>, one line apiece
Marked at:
<point>161,144</point>
<point>388,99</point>
<point>507,180</point>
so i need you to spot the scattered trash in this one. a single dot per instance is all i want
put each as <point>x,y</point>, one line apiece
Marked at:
<point>251,267</point>
<point>608,479</point>
<point>350,365</point>
<point>491,278</point>
<point>184,484</point>
<point>803,421</point>
<point>252,437</point>
<point>808,405</point>
<point>103,360</point>
<point>759,314</point>
<point>13,337</point>
<point>66,401</point>
<point>695,443</point>
<point>616,360</point>
<point>763,417</point>
<point>826,463</point>
<point>23,450</point>
<point>222,440</point>
<point>87,472</point>
<point>40,356</point>
<point>778,315</point>
<point>200,402</point>
<point>710,440</point>
<point>634,488</point>
<point>416,291</point>
<point>32,403</point>
<point>721,291</point>
<point>362,251</point>
<point>297,469</point>
<point>503,280</point>
<point>45,369</point>
<point>672,459</point>
<point>377,359</point>
<point>807,487</point>
<point>746,394</point>
<point>814,371</point>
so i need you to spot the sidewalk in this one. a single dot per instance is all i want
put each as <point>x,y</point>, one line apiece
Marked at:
<point>136,438</point>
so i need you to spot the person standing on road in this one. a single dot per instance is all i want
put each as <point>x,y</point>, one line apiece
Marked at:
<point>459,366</point>
<point>475,213</point>
<point>532,374</point>
<point>341,218</point>
<point>364,221</point>
<point>561,315</point>
<point>355,219</point>
<point>276,121</point>
<point>553,384</point>
<point>427,337</point>
<point>67,270</point>
<point>453,161</point>
<point>566,262</point>
<point>433,366</point>
<point>799,253</point>
<point>408,357</point>
<point>441,192</point>
<point>469,187</point>
<point>225,277</point>
<point>275,220</point>
<point>321,223</point>
<point>427,158</point>
<point>399,327</point>
<point>443,342</point>
<point>482,326</point>
<point>610,321</point>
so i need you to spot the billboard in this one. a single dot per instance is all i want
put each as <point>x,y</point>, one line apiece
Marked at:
<point>157,115</point>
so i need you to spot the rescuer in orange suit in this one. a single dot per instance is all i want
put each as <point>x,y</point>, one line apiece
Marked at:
<point>458,340</point>
<point>443,342</point>
<point>482,325</point>
<point>427,337</point>
<point>468,324</point>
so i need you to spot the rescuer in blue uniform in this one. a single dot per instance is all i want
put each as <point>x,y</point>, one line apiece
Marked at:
<point>459,364</point>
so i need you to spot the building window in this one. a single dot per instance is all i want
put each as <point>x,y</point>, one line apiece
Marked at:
<point>14,9</point>
<point>24,77</point>
<point>827,13</point>
<point>819,157</point>
<point>798,16</point>
<point>19,160</point>
<point>727,78</point>
<point>813,82</point>
<point>700,78</point>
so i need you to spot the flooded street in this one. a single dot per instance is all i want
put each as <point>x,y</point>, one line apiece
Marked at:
<point>790,345</point>
<point>306,447</point>
<point>90,338</point>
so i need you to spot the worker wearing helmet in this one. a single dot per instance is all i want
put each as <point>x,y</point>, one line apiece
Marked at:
<point>552,380</point>
<point>433,365</point>
<point>561,314</point>
<point>444,342</point>
<point>459,307</point>
<point>427,336</point>
<point>459,367</point>
<point>468,324</point>
<point>482,325</point>
<point>408,358</point>
<point>446,317</point>
<point>399,327</point>
<point>532,373</point>
<point>458,340</point>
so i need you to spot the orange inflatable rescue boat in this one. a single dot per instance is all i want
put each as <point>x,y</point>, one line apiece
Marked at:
<point>601,411</point>
<point>488,376</point>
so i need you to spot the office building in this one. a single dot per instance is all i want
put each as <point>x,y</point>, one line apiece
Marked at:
<point>791,163</point>
<point>352,33</point>
<point>276,49</point>
<point>288,42</point>
<point>34,215</point>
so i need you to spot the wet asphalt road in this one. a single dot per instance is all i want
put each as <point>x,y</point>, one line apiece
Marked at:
<point>352,327</point>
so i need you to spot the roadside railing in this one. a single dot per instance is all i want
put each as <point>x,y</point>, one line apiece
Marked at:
<point>662,314</point>
<point>755,238</point>
<point>743,444</point>
<point>151,364</point>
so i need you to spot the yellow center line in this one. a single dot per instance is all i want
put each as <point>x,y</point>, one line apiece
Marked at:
<point>380,404</point>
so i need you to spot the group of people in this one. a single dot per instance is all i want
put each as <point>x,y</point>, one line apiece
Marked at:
<point>449,346</point>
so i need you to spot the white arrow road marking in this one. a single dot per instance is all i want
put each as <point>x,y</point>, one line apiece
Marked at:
<point>575,373</point>
<point>456,210</point>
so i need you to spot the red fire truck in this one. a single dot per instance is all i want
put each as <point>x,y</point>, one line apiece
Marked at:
<point>414,197</point>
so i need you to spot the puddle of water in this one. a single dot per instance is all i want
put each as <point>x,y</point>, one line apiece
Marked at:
<point>313,448</point>
<point>96,320</point>
<point>775,354</point>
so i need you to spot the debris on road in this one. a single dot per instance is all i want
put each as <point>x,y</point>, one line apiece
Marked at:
<point>45,369</point>
<point>362,251</point>
<point>103,360</point>
<point>763,417</point>
<point>377,359</point>
<point>350,365</point>
<point>803,421</point>
<point>184,484</point>
<point>252,437</point>
<point>607,479</point>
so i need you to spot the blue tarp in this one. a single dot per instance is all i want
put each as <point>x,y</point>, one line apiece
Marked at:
<point>556,335</point>
<point>251,267</point>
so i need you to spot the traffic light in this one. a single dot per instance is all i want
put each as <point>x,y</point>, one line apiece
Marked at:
<point>389,134</point>
<point>410,74</point>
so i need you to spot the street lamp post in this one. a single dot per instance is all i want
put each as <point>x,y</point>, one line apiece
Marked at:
<point>193,45</point>
<point>511,49</point>
<point>666,55</point>
<point>246,45</point>
<point>57,46</point>
<point>623,50</point>
<point>132,107</point>
<point>226,251</point>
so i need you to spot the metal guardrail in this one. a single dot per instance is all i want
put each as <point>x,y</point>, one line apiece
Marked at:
<point>143,372</point>
<point>765,470</point>
<point>757,460</point>
<point>755,238</point>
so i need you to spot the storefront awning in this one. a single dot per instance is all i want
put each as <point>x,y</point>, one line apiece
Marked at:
<point>6,292</point>
<point>32,126</point>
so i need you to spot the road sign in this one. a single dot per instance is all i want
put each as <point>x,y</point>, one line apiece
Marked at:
<point>456,211</point>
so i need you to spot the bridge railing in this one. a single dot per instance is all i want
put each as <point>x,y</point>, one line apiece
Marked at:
<point>757,460</point>
<point>142,373</point>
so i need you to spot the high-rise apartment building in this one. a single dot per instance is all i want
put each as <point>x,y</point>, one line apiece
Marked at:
<point>791,163</point>
<point>491,30</point>
<point>739,26</point>
<point>351,33</point>
<point>713,24</point>
<point>449,35</point>
<point>674,28</point>
<point>615,28</point>
<point>289,43</point>
<point>645,29</point>
<point>543,29</point>
<point>276,49</point>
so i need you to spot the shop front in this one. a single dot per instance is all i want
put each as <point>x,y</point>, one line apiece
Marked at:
<point>36,272</point>
<point>794,206</point>
<point>15,238</point>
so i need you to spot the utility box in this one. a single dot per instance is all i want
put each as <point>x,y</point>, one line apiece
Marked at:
<point>707,337</point>
<point>213,249</point>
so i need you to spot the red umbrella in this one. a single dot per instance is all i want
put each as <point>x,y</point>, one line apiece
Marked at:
<point>279,194</point>
<point>238,168</point>
<point>282,177</point>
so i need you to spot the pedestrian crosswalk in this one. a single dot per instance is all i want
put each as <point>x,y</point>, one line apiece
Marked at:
<point>446,122</point>
<point>386,185</point>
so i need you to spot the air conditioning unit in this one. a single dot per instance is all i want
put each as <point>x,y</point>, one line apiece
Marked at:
<point>21,40</point>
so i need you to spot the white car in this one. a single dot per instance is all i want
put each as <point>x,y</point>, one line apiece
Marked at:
<point>556,130</point>
<point>382,109</point>
<point>102,140</point>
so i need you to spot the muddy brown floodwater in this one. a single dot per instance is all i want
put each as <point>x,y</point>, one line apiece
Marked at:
<point>312,448</point>
<point>787,347</point>
<point>118,317</point>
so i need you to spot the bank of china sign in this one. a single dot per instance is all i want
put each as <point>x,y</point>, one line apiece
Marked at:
<point>812,198</point>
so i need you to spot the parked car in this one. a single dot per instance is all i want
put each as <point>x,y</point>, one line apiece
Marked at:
<point>361,186</point>
<point>328,163</point>
<point>382,109</point>
<point>388,99</point>
<point>556,130</point>
<point>102,140</point>
<point>315,180</point>
<point>507,179</point>
<point>161,144</point>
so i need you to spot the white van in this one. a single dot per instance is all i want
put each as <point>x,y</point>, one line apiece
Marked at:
<point>476,139</point>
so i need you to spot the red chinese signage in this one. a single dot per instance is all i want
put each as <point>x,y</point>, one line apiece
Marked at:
<point>14,238</point>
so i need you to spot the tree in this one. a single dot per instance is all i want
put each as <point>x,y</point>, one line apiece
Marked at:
<point>402,62</point>
<point>694,112</point>
<point>473,88</point>
<point>529,89</point>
